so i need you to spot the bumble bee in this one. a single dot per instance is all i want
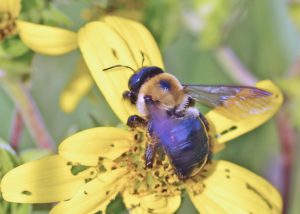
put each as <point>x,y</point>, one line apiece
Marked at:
<point>167,110</point>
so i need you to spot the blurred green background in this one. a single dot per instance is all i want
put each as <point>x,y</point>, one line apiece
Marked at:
<point>193,35</point>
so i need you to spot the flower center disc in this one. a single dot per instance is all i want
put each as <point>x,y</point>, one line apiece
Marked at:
<point>160,179</point>
<point>7,25</point>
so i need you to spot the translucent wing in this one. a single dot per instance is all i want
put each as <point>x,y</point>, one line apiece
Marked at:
<point>235,102</point>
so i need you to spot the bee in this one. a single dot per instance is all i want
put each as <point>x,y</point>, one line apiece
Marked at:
<point>167,110</point>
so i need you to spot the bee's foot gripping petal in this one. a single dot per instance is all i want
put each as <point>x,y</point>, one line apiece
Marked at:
<point>135,121</point>
<point>131,96</point>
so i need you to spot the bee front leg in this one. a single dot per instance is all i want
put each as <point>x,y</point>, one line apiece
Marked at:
<point>151,148</point>
<point>135,121</point>
<point>131,96</point>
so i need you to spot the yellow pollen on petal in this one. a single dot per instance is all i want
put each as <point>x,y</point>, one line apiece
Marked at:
<point>160,180</point>
<point>7,25</point>
<point>195,183</point>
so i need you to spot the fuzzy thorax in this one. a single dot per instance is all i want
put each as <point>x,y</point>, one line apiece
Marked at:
<point>164,88</point>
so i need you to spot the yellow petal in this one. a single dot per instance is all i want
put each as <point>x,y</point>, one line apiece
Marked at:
<point>138,39</point>
<point>117,42</point>
<point>226,129</point>
<point>11,6</point>
<point>47,40</point>
<point>229,188</point>
<point>87,146</point>
<point>151,203</point>
<point>95,195</point>
<point>77,88</point>
<point>42,181</point>
<point>98,44</point>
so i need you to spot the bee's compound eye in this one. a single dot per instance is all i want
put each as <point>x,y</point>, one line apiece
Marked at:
<point>165,85</point>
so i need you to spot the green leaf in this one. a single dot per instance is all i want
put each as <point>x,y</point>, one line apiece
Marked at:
<point>291,88</point>
<point>15,57</point>
<point>160,17</point>
<point>117,206</point>
<point>266,41</point>
<point>20,208</point>
<point>32,4</point>
<point>8,158</point>
<point>192,65</point>
<point>294,9</point>
<point>255,151</point>
<point>53,16</point>
<point>187,205</point>
<point>78,168</point>
<point>213,14</point>
<point>12,47</point>
<point>48,81</point>
<point>6,113</point>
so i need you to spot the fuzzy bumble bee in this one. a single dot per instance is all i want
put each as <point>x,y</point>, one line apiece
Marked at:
<point>168,112</point>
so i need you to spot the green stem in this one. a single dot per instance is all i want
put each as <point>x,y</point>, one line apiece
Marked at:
<point>294,69</point>
<point>16,130</point>
<point>287,134</point>
<point>29,111</point>
<point>234,68</point>
<point>287,138</point>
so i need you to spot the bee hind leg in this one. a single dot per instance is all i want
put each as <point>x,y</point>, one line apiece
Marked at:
<point>151,149</point>
<point>204,120</point>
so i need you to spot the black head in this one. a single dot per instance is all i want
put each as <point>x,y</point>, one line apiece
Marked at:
<point>139,78</point>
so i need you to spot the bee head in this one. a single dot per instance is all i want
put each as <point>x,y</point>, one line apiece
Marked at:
<point>163,88</point>
<point>139,78</point>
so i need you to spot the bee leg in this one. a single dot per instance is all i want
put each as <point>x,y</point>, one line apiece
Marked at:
<point>131,96</point>
<point>204,121</point>
<point>150,152</point>
<point>210,151</point>
<point>190,102</point>
<point>135,121</point>
<point>179,111</point>
<point>173,112</point>
<point>209,157</point>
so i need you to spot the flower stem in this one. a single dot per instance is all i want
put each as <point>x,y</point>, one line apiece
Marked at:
<point>16,130</point>
<point>294,69</point>
<point>234,68</point>
<point>288,141</point>
<point>29,111</point>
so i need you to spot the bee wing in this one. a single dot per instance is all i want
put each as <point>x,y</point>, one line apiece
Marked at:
<point>234,102</point>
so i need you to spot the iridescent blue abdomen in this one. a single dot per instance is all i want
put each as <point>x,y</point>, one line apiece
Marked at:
<point>184,139</point>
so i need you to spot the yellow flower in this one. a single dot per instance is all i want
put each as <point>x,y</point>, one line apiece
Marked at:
<point>9,11</point>
<point>45,40</point>
<point>95,165</point>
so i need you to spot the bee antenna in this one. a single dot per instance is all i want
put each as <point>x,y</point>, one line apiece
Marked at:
<point>117,66</point>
